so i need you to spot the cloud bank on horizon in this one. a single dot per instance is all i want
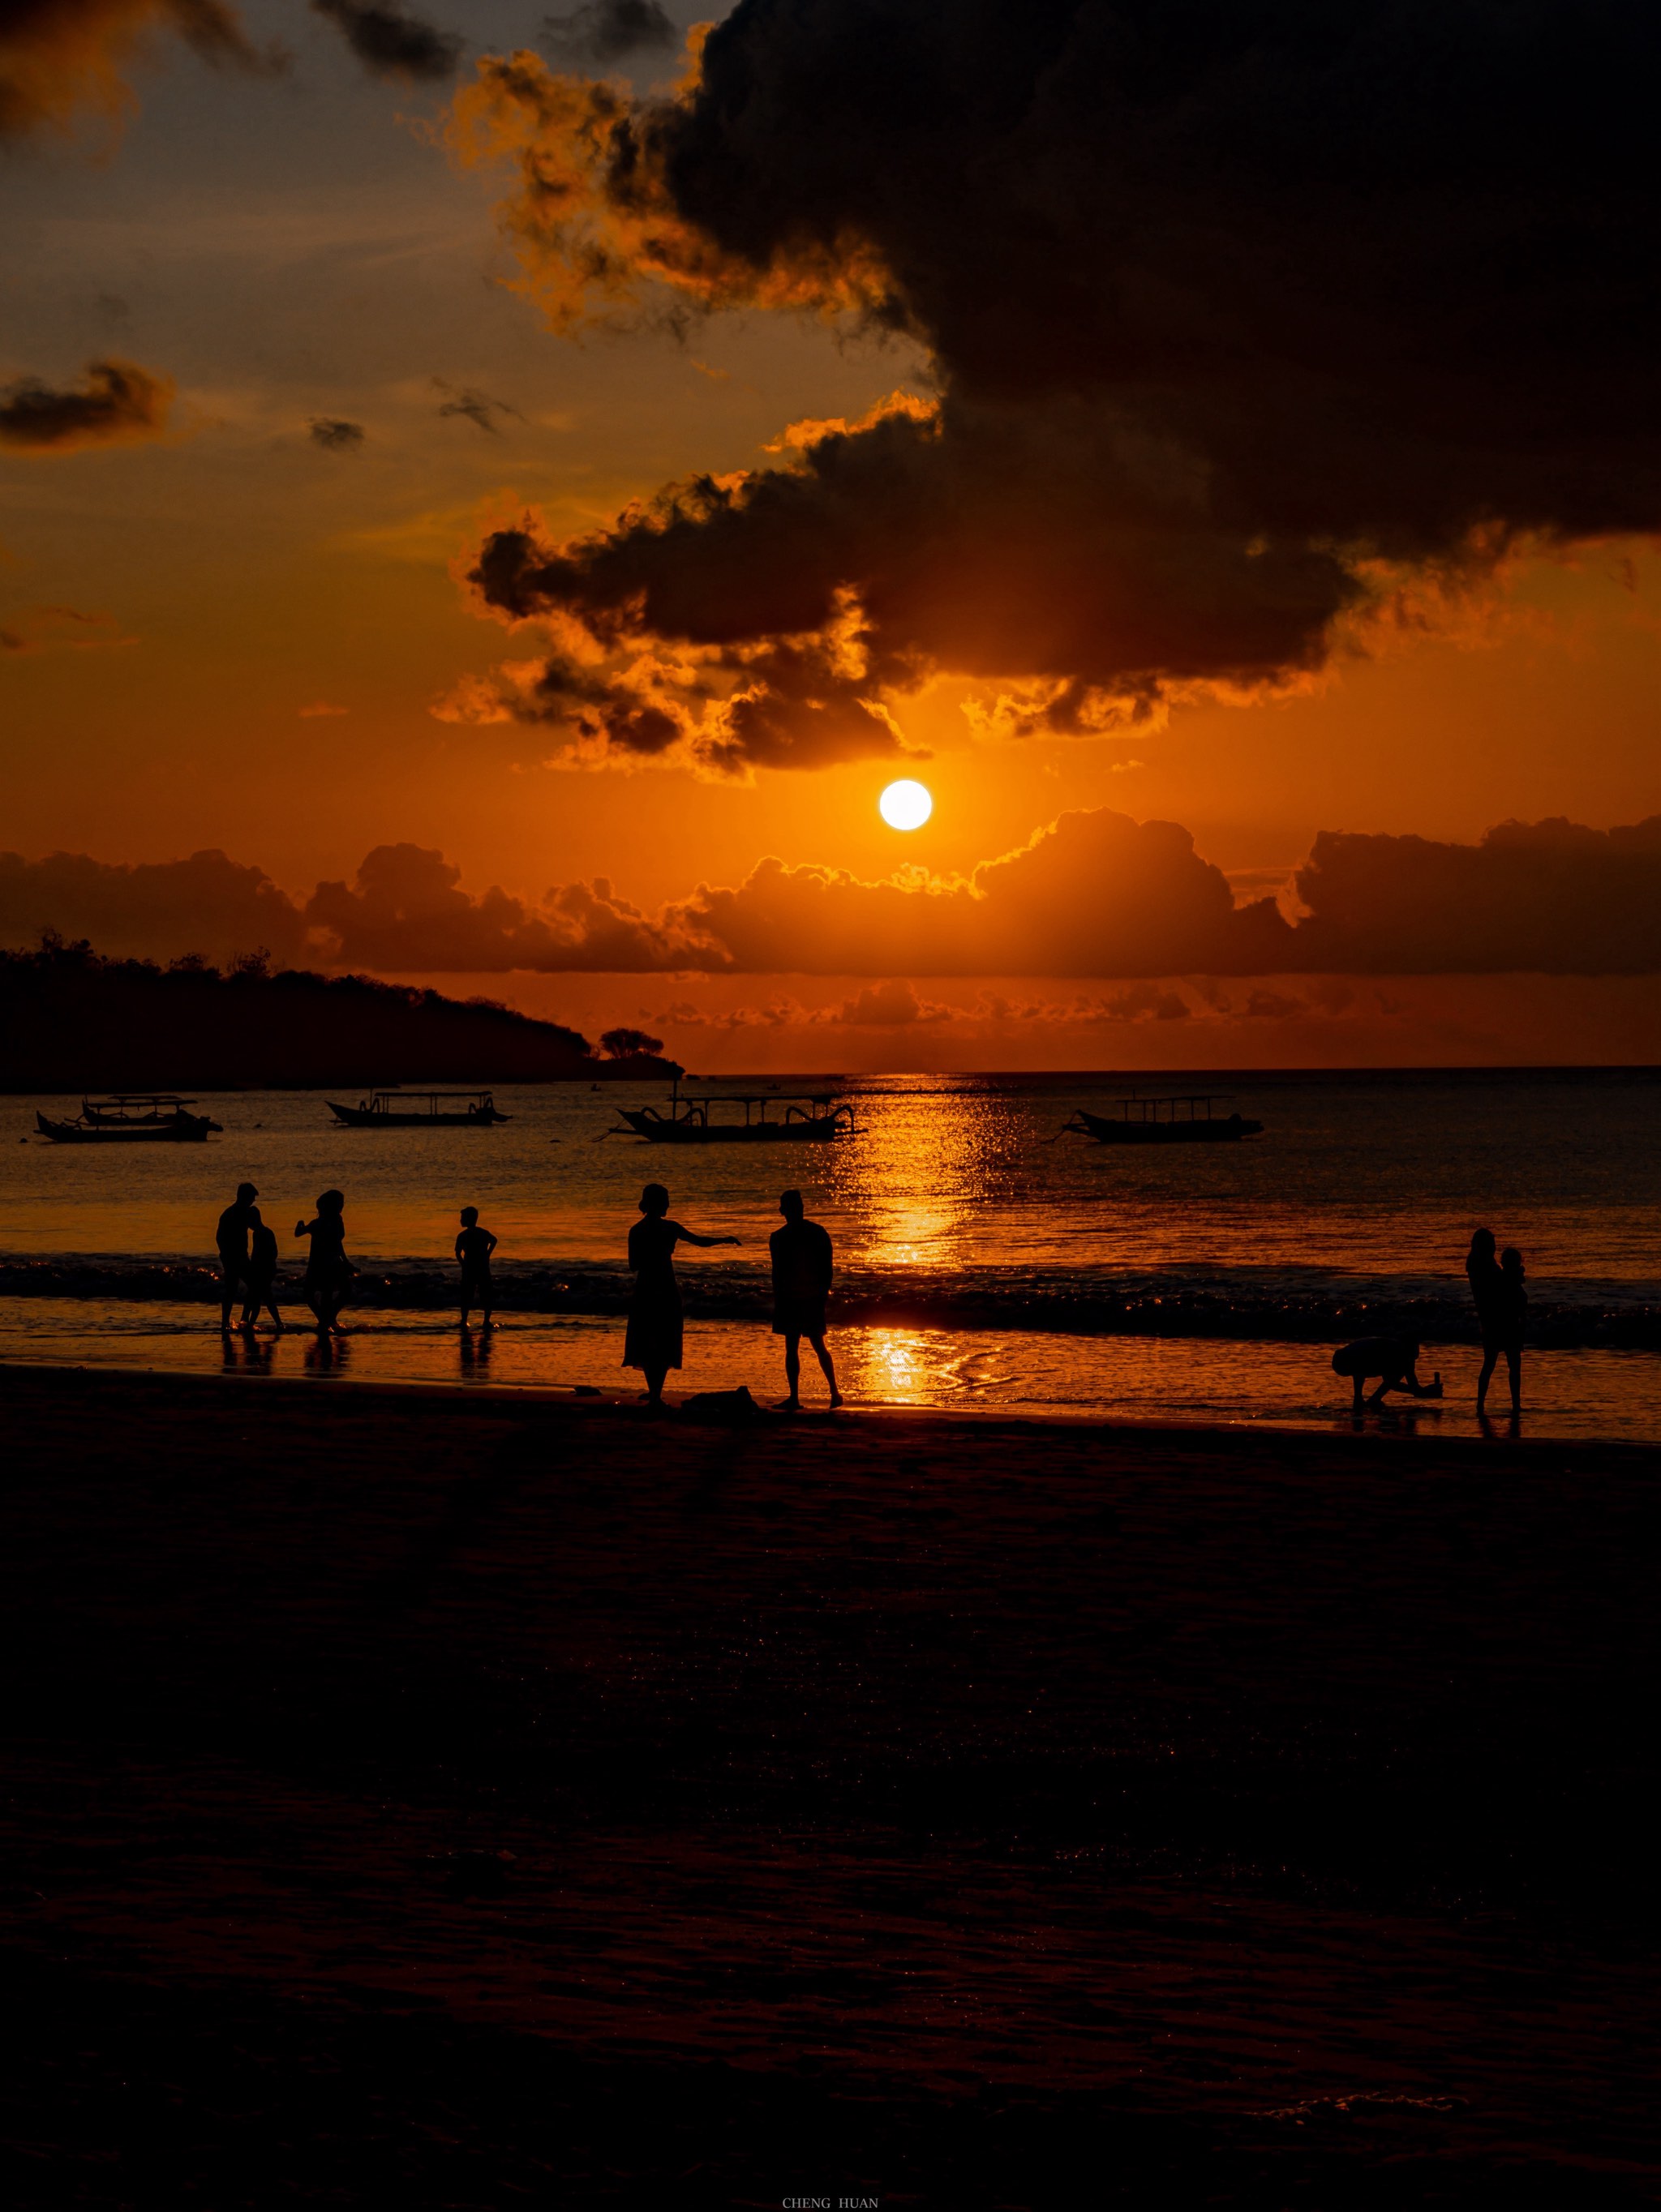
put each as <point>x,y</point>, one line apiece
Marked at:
<point>1094,894</point>
<point>1236,312</point>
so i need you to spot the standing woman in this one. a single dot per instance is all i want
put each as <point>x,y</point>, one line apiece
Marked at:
<point>654,1341</point>
<point>328,1271</point>
<point>1487,1292</point>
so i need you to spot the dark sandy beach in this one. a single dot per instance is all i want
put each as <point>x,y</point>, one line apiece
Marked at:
<point>432,1800</point>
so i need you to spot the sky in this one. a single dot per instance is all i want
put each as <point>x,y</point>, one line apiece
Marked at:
<point>519,488</point>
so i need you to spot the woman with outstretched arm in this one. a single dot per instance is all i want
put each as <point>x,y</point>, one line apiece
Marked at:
<point>654,1340</point>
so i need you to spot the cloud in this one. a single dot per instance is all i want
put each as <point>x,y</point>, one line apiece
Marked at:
<point>1234,315</point>
<point>1549,897</point>
<point>59,56</point>
<point>320,710</point>
<point>889,1005</point>
<point>1095,895</point>
<point>808,695</point>
<point>606,31</point>
<point>391,44</point>
<point>207,905</point>
<point>475,406</point>
<point>60,630</point>
<point>336,435</point>
<point>406,912</point>
<point>117,403</point>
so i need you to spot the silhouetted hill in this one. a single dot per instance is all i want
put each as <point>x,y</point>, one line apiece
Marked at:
<point>70,1020</point>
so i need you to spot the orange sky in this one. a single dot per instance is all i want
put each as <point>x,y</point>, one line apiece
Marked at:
<point>290,251</point>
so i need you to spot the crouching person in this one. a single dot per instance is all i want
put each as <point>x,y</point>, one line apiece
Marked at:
<point>1393,1359</point>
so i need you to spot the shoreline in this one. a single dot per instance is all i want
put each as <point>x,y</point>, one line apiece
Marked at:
<point>1378,1433</point>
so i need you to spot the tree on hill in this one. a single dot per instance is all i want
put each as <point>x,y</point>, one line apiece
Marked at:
<point>628,1044</point>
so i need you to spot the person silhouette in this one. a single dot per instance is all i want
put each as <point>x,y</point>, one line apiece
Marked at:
<point>1502,1330</point>
<point>232,1238</point>
<point>474,1246</point>
<point>1487,1292</point>
<point>654,1340</point>
<point>802,1265</point>
<point>260,1278</point>
<point>328,1271</point>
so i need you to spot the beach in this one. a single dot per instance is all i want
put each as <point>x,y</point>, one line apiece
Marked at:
<point>474,1798</point>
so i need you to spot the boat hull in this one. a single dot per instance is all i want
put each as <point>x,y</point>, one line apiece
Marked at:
<point>1227,1131</point>
<point>189,1131</point>
<point>357,1117</point>
<point>657,1131</point>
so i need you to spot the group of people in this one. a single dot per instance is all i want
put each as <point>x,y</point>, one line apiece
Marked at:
<point>800,1250</point>
<point>802,1265</point>
<point>248,1262</point>
<point>1497,1288</point>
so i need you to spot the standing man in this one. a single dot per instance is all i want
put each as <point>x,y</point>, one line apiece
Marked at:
<point>802,1280</point>
<point>474,1246</point>
<point>232,1237</point>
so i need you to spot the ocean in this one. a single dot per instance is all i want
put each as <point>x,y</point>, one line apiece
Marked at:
<point>984,1259</point>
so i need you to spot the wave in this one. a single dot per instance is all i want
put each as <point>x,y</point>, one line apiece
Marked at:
<point>1268,1305</point>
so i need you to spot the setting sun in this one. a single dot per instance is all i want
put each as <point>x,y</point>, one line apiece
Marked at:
<point>906,805</point>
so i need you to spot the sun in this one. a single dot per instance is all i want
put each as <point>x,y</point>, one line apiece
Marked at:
<point>905,804</point>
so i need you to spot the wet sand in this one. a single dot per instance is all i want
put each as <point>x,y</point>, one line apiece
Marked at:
<point>430,1798</point>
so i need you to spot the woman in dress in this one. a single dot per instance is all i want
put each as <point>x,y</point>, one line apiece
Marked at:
<point>654,1341</point>
<point>1488,1290</point>
<point>328,1271</point>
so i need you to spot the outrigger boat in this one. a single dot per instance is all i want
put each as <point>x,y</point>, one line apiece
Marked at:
<point>1164,1121</point>
<point>811,1120</point>
<point>131,1117</point>
<point>420,1109</point>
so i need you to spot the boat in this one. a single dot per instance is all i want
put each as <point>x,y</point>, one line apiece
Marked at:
<point>815,1119</point>
<point>420,1109</point>
<point>1164,1121</point>
<point>131,1117</point>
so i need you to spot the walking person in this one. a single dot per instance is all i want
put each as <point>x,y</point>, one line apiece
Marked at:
<point>232,1237</point>
<point>474,1246</point>
<point>328,1271</point>
<point>1493,1305</point>
<point>654,1340</point>
<point>802,1266</point>
<point>260,1281</point>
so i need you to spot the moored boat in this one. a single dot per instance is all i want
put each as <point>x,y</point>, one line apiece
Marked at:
<point>812,1120</point>
<point>1164,1121</point>
<point>420,1109</point>
<point>131,1118</point>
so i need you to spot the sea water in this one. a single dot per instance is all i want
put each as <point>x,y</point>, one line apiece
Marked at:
<point>983,1257</point>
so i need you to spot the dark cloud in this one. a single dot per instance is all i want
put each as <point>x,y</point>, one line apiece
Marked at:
<point>606,31</point>
<point>336,435</point>
<point>806,695</point>
<point>1550,897</point>
<point>1095,895</point>
<point>117,404</point>
<point>391,44</point>
<point>1233,307</point>
<point>207,905</point>
<point>58,55</point>
<point>406,912</point>
<point>475,406</point>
